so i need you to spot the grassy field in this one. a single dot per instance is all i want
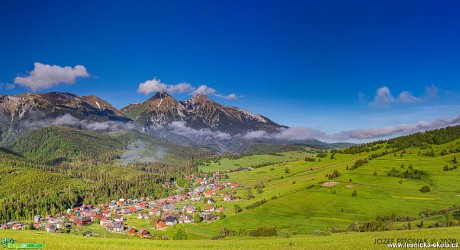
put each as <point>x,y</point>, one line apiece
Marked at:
<point>252,160</point>
<point>297,200</point>
<point>300,199</point>
<point>334,241</point>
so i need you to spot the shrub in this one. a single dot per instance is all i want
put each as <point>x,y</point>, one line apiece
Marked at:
<point>321,155</point>
<point>358,163</point>
<point>249,194</point>
<point>425,189</point>
<point>237,208</point>
<point>333,175</point>
<point>311,159</point>
<point>256,204</point>
<point>354,194</point>
<point>284,233</point>
<point>180,235</point>
<point>263,231</point>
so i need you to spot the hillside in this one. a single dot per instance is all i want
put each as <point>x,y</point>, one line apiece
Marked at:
<point>53,145</point>
<point>379,186</point>
<point>57,145</point>
<point>28,187</point>
<point>299,197</point>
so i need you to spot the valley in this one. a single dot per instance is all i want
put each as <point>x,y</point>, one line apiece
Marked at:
<point>165,170</point>
<point>303,195</point>
<point>229,125</point>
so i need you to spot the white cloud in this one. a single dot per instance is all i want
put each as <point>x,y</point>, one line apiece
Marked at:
<point>155,85</point>
<point>45,76</point>
<point>299,133</point>
<point>179,127</point>
<point>204,90</point>
<point>288,134</point>
<point>70,121</point>
<point>372,133</point>
<point>180,88</point>
<point>303,133</point>
<point>383,97</point>
<point>407,97</point>
<point>258,134</point>
<point>151,86</point>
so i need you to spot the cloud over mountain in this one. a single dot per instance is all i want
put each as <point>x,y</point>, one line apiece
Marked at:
<point>372,133</point>
<point>45,76</point>
<point>287,134</point>
<point>71,121</point>
<point>155,85</point>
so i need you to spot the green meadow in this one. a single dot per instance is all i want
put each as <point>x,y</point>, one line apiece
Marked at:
<point>335,241</point>
<point>316,203</point>
<point>302,200</point>
<point>222,164</point>
<point>299,200</point>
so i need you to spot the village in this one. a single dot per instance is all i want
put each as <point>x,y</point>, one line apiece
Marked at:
<point>163,212</point>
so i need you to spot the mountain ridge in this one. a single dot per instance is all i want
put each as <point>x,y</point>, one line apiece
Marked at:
<point>198,112</point>
<point>196,121</point>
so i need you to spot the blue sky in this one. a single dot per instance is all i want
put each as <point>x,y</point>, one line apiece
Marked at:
<point>316,64</point>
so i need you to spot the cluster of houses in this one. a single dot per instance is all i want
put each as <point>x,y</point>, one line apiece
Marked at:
<point>163,212</point>
<point>13,225</point>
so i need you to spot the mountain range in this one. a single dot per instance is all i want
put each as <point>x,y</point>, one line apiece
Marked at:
<point>199,112</point>
<point>197,121</point>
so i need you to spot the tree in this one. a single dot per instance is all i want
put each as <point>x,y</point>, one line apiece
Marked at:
<point>249,194</point>
<point>454,160</point>
<point>354,194</point>
<point>197,218</point>
<point>180,235</point>
<point>259,186</point>
<point>237,208</point>
<point>450,221</point>
<point>421,224</point>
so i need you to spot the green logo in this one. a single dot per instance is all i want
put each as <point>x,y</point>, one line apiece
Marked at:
<point>12,244</point>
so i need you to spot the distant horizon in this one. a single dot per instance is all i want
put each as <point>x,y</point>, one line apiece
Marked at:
<point>350,136</point>
<point>361,70</point>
